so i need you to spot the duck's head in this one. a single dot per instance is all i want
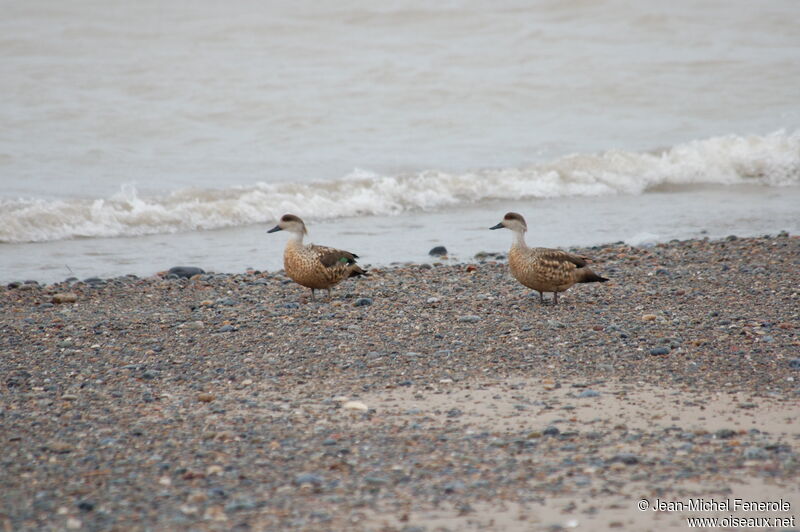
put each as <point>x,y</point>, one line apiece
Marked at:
<point>291,223</point>
<point>512,221</point>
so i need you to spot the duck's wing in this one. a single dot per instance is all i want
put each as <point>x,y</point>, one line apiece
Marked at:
<point>558,256</point>
<point>330,257</point>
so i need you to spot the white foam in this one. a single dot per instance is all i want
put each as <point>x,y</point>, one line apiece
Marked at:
<point>772,160</point>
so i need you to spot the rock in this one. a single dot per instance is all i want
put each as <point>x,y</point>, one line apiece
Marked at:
<point>59,447</point>
<point>355,405</point>
<point>659,351</point>
<point>185,271</point>
<point>469,319</point>
<point>363,302</point>
<point>206,397</point>
<point>455,486</point>
<point>649,317</point>
<point>755,453</point>
<point>551,431</point>
<point>309,478</point>
<point>438,251</point>
<point>794,363</point>
<point>588,393</point>
<point>226,328</point>
<point>86,506</point>
<point>626,458</point>
<point>376,480</point>
<point>64,297</point>
<point>725,434</point>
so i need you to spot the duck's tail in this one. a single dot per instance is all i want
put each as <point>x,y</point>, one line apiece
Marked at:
<point>588,276</point>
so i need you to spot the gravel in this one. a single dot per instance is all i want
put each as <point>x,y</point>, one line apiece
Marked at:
<point>216,402</point>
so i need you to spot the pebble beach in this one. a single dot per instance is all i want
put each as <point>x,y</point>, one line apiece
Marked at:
<point>425,397</point>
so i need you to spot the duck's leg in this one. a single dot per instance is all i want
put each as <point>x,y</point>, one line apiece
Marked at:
<point>541,297</point>
<point>329,294</point>
<point>555,298</point>
<point>312,294</point>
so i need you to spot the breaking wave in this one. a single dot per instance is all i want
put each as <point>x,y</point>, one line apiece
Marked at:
<point>771,160</point>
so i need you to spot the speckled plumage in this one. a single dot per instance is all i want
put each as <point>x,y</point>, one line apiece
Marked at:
<point>312,266</point>
<point>544,269</point>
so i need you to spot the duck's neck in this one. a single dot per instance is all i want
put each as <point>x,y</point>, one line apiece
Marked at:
<point>295,239</point>
<point>519,240</point>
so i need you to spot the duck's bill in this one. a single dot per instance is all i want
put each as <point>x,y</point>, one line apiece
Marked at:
<point>498,226</point>
<point>275,229</point>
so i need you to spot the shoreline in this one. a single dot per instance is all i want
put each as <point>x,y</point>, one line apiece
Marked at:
<point>651,218</point>
<point>429,396</point>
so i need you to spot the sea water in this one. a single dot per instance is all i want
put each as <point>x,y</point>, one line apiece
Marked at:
<point>138,136</point>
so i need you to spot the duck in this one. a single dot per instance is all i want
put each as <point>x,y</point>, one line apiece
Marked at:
<point>544,269</point>
<point>312,266</point>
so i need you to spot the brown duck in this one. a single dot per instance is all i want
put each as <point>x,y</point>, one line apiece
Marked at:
<point>312,266</point>
<point>544,269</point>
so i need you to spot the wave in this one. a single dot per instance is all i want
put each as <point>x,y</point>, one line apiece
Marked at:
<point>771,160</point>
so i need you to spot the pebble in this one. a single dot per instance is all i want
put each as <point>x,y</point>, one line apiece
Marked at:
<point>64,297</point>
<point>363,302</point>
<point>309,478</point>
<point>185,271</point>
<point>794,363</point>
<point>649,317</point>
<point>724,434</point>
<point>659,351</point>
<point>588,393</point>
<point>355,405</point>
<point>626,458</point>
<point>755,453</point>
<point>206,397</point>
<point>469,319</point>
<point>438,251</point>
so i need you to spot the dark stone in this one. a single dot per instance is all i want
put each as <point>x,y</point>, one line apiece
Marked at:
<point>226,328</point>
<point>291,305</point>
<point>626,458</point>
<point>794,363</point>
<point>589,393</point>
<point>659,351</point>
<point>551,431</point>
<point>86,506</point>
<point>725,434</point>
<point>309,478</point>
<point>363,302</point>
<point>438,251</point>
<point>185,271</point>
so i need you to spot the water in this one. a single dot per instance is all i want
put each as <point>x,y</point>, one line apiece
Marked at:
<point>137,136</point>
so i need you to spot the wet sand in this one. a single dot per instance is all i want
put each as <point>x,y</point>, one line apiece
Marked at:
<point>423,398</point>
